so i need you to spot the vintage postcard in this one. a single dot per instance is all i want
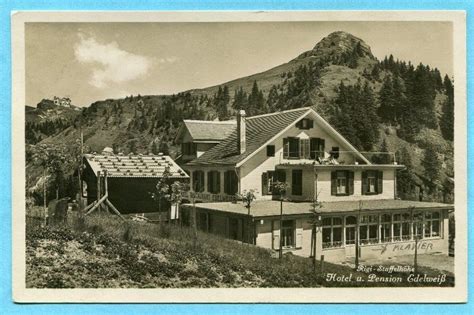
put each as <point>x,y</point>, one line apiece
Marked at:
<point>239,156</point>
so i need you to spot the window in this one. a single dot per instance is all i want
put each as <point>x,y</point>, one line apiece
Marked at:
<point>317,148</point>
<point>368,227</point>
<point>288,233</point>
<point>270,150</point>
<point>418,225</point>
<point>230,183</point>
<point>214,182</point>
<point>305,123</point>
<point>342,183</point>
<point>332,232</point>
<point>334,153</point>
<point>432,224</point>
<point>401,227</point>
<point>291,148</point>
<point>198,181</point>
<point>372,182</point>
<point>297,182</point>
<point>351,222</point>
<point>386,228</point>
<point>267,182</point>
<point>278,176</point>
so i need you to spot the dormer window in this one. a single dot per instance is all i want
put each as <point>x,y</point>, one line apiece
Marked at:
<point>305,123</point>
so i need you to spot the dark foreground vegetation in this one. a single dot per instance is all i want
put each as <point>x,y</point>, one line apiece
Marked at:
<point>105,252</point>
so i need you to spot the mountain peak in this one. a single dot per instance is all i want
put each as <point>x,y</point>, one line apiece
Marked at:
<point>338,43</point>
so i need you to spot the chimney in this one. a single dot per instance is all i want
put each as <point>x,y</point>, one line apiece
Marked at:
<point>241,131</point>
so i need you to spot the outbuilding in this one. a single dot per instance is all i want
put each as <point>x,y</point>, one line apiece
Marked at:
<point>131,179</point>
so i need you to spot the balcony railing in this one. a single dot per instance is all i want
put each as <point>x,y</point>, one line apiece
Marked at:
<point>209,197</point>
<point>329,158</point>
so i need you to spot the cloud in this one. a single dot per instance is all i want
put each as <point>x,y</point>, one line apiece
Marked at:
<point>110,63</point>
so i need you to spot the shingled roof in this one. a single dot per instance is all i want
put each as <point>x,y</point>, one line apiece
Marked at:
<point>259,130</point>
<point>150,166</point>
<point>204,130</point>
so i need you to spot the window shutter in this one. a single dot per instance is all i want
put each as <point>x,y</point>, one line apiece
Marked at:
<point>313,147</point>
<point>321,148</point>
<point>209,181</point>
<point>333,183</point>
<point>306,149</point>
<point>226,182</point>
<point>380,182</point>
<point>364,183</point>
<point>299,234</point>
<point>310,123</point>
<point>264,183</point>
<point>286,148</point>
<point>350,182</point>
<point>218,182</point>
<point>276,234</point>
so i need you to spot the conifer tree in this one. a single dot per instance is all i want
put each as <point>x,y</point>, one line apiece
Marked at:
<point>431,164</point>
<point>447,119</point>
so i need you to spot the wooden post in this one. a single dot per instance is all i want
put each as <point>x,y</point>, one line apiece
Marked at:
<point>98,188</point>
<point>315,246</point>
<point>415,263</point>
<point>322,264</point>
<point>106,190</point>
<point>280,254</point>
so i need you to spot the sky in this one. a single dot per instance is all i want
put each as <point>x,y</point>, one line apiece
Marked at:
<point>88,62</point>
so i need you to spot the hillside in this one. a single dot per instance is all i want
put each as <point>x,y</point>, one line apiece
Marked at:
<point>407,109</point>
<point>105,252</point>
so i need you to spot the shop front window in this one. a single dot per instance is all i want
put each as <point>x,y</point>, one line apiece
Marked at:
<point>368,229</point>
<point>386,228</point>
<point>351,225</point>
<point>332,232</point>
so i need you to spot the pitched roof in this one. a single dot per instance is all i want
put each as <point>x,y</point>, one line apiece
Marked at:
<point>149,166</point>
<point>204,130</point>
<point>268,208</point>
<point>259,130</point>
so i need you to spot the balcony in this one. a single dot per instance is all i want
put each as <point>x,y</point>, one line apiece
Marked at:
<point>335,158</point>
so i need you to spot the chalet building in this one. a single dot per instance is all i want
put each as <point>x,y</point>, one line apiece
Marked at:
<point>298,147</point>
<point>199,136</point>
<point>131,179</point>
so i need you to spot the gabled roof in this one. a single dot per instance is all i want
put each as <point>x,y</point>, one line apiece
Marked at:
<point>207,131</point>
<point>149,166</point>
<point>260,130</point>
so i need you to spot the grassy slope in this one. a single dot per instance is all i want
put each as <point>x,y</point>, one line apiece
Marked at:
<point>106,252</point>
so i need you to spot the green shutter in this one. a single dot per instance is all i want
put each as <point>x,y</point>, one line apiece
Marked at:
<point>350,182</point>
<point>333,183</point>
<point>380,182</point>
<point>364,183</point>
<point>264,183</point>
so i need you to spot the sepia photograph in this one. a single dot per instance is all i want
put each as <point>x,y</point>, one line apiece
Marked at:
<point>240,151</point>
